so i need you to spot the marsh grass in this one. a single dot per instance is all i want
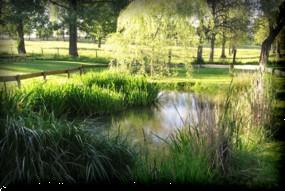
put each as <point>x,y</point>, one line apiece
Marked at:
<point>231,144</point>
<point>71,99</point>
<point>137,90</point>
<point>93,94</point>
<point>35,148</point>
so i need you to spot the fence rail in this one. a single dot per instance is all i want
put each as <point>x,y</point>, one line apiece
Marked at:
<point>44,74</point>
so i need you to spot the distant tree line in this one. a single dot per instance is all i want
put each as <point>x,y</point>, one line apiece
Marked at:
<point>225,23</point>
<point>97,18</point>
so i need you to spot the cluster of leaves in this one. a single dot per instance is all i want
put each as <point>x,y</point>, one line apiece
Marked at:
<point>145,31</point>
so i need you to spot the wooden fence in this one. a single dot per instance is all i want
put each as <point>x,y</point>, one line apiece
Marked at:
<point>44,74</point>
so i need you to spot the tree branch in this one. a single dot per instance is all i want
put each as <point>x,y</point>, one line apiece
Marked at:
<point>58,4</point>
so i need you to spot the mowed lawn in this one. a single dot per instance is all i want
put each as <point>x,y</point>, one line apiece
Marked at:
<point>89,49</point>
<point>23,66</point>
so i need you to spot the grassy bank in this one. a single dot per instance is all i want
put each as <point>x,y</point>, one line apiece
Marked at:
<point>92,94</point>
<point>36,146</point>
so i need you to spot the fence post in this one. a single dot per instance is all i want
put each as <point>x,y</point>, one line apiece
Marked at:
<point>81,69</point>
<point>68,73</point>
<point>5,86</point>
<point>44,75</point>
<point>18,81</point>
<point>42,51</point>
<point>96,53</point>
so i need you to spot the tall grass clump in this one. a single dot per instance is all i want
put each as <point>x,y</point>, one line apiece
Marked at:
<point>135,88</point>
<point>231,144</point>
<point>91,95</point>
<point>72,99</point>
<point>41,148</point>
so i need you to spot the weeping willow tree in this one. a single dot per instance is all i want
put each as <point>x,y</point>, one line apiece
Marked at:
<point>147,32</point>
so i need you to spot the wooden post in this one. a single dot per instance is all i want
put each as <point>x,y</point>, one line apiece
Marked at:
<point>234,51</point>
<point>5,86</point>
<point>81,70</point>
<point>18,81</point>
<point>42,51</point>
<point>96,53</point>
<point>58,51</point>
<point>44,75</point>
<point>68,73</point>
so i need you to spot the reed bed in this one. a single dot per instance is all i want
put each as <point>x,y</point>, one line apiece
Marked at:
<point>136,90</point>
<point>229,145</point>
<point>35,149</point>
<point>93,94</point>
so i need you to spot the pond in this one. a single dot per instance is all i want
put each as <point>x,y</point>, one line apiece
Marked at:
<point>174,110</point>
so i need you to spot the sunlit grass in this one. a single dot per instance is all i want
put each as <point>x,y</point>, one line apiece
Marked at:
<point>29,66</point>
<point>92,94</point>
<point>179,55</point>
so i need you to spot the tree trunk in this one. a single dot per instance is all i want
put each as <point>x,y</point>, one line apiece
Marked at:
<point>273,32</point>
<point>21,40</point>
<point>99,42</point>
<point>73,28</point>
<point>223,55</point>
<point>213,38</point>
<point>200,55</point>
<point>234,51</point>
<point>265,47</point>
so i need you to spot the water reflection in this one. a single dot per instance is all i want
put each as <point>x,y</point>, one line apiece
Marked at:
<point>173,110</point>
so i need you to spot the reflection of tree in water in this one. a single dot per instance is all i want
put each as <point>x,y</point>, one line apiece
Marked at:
<point>174,110</point>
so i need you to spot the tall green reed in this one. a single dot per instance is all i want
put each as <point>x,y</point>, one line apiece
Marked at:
<point>226,145</point>
<point>40,149</point>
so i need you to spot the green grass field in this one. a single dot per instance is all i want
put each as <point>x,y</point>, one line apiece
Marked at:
<point>179,55</point>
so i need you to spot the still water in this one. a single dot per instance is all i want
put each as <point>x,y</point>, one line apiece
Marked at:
<point>174,110</point>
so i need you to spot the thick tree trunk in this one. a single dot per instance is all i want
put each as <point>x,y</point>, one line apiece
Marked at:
<point>223,55</point>
<point>265,47</point>
<point>213,38</point>
<point>21,40</point>
<point>73,28</point>
<point>273,32</point>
